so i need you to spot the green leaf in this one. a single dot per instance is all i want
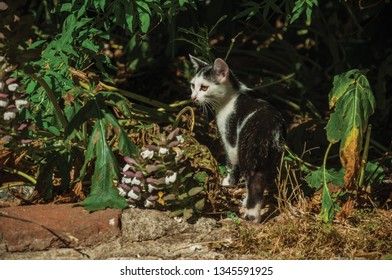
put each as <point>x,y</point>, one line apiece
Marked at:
<point>144,21</point>
<point>88,111</point>
<point>103,192</point>
<point>101,4</point>
<point>129,20</point>
<point>106,170</point>
<point>124,143</point>
<point>328,205</point>
<point>54,130</point>
<point>90,45</point>
<point>201,177</point>
<point>374,173</point>
<point>315,178</point>
<point>36,44</point>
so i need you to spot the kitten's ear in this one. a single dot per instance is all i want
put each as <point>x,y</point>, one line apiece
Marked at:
<point>221,70</point>
<point>197,63</point>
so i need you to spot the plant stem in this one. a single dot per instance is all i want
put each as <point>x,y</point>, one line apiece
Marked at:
<point>295,156</point>
<point>20,173</point>
<point>232,44</point>
<point>326,154</point>
<point>284,78</point>
<point>325,164</point>
<point>364,156</point>
<point>149,101</point>
<point>327,204</point>
<point>52,99</point>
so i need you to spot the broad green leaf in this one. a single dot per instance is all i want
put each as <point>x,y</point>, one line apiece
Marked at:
<point>315,178</point>
<point>106,170</point>
<point>353,102</point>
<point>144,21</point>
<point>103,192</point>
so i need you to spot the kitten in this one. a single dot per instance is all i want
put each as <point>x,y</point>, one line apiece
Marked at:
<point>252,131</point>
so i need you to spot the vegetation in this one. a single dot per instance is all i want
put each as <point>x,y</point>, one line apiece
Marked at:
<point>85,85</point>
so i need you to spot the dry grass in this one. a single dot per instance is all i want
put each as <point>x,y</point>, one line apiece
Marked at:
<point>366,235</point>
<point>298,233</point>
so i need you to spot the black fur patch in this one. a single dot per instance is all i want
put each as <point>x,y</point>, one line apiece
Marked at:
<point>207,73</point>
<point>261,139</point>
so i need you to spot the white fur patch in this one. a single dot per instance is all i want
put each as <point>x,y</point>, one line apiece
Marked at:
<point>228,180</point>
<point>253,212</point>
<point>221,120</point>
<point>199,95</point>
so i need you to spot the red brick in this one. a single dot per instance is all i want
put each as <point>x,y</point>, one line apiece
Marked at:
<point>40,227</point>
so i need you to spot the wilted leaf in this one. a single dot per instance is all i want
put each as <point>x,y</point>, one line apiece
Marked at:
<point>353,103</point>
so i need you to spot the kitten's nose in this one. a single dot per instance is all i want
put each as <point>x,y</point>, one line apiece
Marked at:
<point>194,97</point>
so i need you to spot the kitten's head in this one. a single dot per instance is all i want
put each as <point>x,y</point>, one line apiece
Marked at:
<point>214,83</point>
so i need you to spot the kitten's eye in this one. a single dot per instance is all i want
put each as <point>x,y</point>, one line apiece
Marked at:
<point>203,88</point>
<point>192,85</point>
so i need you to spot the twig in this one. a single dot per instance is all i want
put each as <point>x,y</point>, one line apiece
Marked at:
<point>20,173</point>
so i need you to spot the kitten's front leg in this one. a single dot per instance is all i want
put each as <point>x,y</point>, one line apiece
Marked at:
<point>232,176</point>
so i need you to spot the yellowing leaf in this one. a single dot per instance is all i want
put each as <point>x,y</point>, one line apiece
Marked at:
<point>353,102</point>
<point>350,156</point>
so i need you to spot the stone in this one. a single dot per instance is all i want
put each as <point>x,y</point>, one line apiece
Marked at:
<point>142,225</point>
<point>40,227</point>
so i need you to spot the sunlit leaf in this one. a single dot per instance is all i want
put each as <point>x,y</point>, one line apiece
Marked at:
<point>353,102</point>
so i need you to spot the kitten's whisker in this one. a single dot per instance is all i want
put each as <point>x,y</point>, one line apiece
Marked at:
<point>213,104</point>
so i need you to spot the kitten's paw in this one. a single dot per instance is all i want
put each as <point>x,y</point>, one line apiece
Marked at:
<point>252,218</point>
<point>228,181</point>
<point>253,214</point>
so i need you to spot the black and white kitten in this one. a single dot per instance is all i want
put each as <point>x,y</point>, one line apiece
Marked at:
<point>252,131</point>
